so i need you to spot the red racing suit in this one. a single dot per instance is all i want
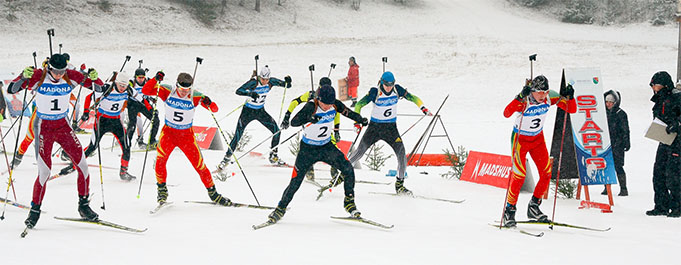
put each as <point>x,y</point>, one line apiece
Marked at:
<point>529,131</point>
<point>178,131</point>
<point>50,124</point>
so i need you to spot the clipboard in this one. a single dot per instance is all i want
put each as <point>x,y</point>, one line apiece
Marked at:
<point>658,132</point>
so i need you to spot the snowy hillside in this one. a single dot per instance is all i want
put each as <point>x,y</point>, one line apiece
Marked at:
<point>473,50</point>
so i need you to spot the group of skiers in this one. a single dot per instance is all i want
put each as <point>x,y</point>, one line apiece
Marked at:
<point>54,83</point>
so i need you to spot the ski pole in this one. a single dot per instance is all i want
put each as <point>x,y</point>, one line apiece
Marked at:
<point>98,135</point>
<point>22,114</point>
<point>385,60</point>
<point>59,47</point>
<point>333,66</point>
<point>235,159</point>
<point>50,34</point>
<point>257,57</point>
<point>533,57</point>
<point>237,108</point>
<point>146,152</point>
<point>335,178</point>
<point>560,159</point>
<point>10,183</point>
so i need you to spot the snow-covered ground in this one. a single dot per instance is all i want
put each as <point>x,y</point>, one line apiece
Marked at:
<point>475,51</point>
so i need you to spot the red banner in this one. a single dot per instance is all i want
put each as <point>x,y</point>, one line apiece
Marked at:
<point>486,168</point>
<point>204,136</point>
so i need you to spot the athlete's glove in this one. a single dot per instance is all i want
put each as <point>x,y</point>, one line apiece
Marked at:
<point>425,111</point>
<point>336,135</point>
<point>253,95</point>
<point>85,117</point>
<point>82,68</point>
<point>206,101</point>
<point>524,93</point>
<point>365,122</point>
<point>285,122</point>
<point>627,146</point>
<point>159,76</point>
<point>287,80</point>
<point>92,74</point>
<point>569,92</point>
<point>314,118</point>
<point>673,127</point>
<point>28,72</point>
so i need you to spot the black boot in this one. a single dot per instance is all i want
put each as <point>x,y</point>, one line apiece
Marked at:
<point>276,215</point>
<point>533,212</point>
<point>67,170</point>
<point>217,198</point>
<point>675,213</point>
<point>33,216</point>
<point>84,209</point>
<point>400,189</point>
<point>354,102</point>
<point>622,178</point>
<point>17,159</point>
<point>125,175</point>
<point>350,207</point>
<point>162,196</point>
<point>605,191</point>
<point>509,216</point>
<point>657,211</point>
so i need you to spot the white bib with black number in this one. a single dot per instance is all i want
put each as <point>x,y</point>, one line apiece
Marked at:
<point>259,102</point>
<point>112,104</point>
<point>52,99</point>
<point>532,120</point>
<point>320,133</point>
<point>179,111</point>
<point>385,108</point>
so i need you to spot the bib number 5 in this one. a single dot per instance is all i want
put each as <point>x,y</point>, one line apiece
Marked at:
<point>177,117</point>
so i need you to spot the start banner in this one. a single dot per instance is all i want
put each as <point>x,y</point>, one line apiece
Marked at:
<point>590,128</point>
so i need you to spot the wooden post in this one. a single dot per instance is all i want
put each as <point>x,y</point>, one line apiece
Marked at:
<point>609,190</point>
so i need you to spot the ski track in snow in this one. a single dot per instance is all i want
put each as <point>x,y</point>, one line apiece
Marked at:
<point>475,51</point>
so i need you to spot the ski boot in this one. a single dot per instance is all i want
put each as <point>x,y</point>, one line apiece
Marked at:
<point>533,212</point>
<point>33,216</point>
<point>153,144</point>
<point>276,215</point>
<point>162,196</point>
<point>657,211</point>
<point>340,180</point>
<point>84,209</point>
<point>217,198</point>
<point>17,159</point>
<point>125,175</point>
<point>64,156</point>
<point>354,102</point>
<point>310,174</point>
<point>275,160</point>
<point>67,170</point>
<point>675,213</point>
<point>140,143</point>
<point>350,207</point>
<point>509,216</point>
<point>221,173</point>
<point>400,189</point>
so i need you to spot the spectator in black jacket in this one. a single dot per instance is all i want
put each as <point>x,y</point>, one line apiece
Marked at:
<point>618,125</point>
<point>667,168</point>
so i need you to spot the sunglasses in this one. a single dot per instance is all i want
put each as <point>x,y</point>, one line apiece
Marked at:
<point>388,83</point>
<point>58,71</point>
<point>140,76</point>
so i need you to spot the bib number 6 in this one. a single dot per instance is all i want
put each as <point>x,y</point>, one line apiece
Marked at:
<point>388,112</point>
